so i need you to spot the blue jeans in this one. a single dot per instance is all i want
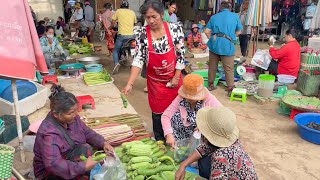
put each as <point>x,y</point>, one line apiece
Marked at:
<point>118,45</point>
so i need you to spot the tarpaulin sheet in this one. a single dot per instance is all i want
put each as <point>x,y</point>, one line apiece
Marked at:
<point>20,51</point>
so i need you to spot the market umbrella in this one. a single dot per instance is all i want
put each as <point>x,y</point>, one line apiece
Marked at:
<point>20,51</point>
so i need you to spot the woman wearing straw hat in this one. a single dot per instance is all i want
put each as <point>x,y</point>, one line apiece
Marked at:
<point>195,39</point>
<point>220,136</point>
<point>179,119</point>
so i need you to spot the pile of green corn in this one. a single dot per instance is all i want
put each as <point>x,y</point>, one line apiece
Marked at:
<point>146,159</point>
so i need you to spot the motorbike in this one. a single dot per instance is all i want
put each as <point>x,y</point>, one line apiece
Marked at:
<point>127,52</point>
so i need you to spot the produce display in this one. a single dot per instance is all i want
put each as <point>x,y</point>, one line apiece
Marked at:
<point>97,78</point>
<point>314,125</point>
<point>145,159</point>
<point>182,153</point>
<point>303,102</point>
<point>132,120</point>
<point>75,49</point>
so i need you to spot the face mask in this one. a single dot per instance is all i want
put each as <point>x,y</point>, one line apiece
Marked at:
<point>50,36</point>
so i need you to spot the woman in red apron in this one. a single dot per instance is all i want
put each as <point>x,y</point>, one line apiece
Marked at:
<point>161,46</point>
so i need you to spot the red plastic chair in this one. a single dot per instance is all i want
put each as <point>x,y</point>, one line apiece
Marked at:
<point>50,78</point>
<point>85,100</point>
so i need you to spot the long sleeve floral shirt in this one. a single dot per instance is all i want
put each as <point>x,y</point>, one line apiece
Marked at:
<point>229,163</point>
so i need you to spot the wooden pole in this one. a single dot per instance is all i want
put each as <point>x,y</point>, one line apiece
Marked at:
<point>18,120</point>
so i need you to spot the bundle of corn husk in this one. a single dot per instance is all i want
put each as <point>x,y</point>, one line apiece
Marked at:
<point>132,120</point>
<point>115,134</point>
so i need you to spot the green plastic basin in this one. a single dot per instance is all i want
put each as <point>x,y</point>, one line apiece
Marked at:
<point>204,74</point>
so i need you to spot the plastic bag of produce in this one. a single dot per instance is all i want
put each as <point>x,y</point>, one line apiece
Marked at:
<point>261,59</point>
<point>182,149</point>
<point>112,169</point>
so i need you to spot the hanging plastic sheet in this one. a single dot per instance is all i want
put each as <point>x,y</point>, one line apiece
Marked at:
<point>315,23</point>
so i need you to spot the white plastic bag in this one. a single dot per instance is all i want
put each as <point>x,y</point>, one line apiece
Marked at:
<point>112,169</point>
<point>261,59</point>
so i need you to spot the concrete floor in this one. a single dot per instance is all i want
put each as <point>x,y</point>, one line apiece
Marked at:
<point>272,140</point>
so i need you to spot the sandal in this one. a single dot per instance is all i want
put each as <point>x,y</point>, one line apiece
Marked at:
<point>211,86</point>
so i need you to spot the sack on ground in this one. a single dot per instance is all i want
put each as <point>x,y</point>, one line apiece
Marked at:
<point>261,59</point>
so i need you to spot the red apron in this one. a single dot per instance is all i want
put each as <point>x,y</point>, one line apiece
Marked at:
<point>161,69</point>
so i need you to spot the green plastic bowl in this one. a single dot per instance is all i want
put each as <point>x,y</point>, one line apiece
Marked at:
<point>204,74</point>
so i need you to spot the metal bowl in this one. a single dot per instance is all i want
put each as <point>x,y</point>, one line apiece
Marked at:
<point>89,60</point>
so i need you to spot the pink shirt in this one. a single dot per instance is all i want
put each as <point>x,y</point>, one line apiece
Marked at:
<point>209,101</point>
<point>107,18</point>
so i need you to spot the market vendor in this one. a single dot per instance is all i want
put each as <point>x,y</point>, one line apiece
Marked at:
<point>160,45</point>
<point>51,47</point>
<point>62,138</point>
<point>179,119</point>
<point>220,136</point>
<point>286,60</point>
<point>195,39</point>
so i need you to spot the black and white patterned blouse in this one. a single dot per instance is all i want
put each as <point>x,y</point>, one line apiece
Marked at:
<point>160,45</point>
<point>179,130</point>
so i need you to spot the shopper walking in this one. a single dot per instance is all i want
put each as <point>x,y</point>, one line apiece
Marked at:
<point>245,35</point>
<point>126,20</point>
<point>222,30</point>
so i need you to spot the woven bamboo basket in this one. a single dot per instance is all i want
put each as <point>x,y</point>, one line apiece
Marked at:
<point>6,161</point>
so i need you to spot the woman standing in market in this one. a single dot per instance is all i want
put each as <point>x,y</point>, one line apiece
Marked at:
<point>62,138</point>
<point>107,20</point>
<point>160,46</point>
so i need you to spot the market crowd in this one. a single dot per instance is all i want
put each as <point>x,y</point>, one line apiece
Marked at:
<point>181,105</point>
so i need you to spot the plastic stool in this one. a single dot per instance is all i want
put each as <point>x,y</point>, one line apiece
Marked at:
<point>295,112</point>
<point>239,94</point>
<point>50,78</point>
<point>84,100</point>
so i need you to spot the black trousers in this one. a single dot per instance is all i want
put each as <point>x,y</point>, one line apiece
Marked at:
<point>205,167</point>
<point>273,67</point>
<point>157,127</point>
<point>244,41</point>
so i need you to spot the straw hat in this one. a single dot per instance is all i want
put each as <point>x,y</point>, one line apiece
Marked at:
<point>193,87</point>
<point>194,26</point>
<point>218,125</point>
<point>77,5</point>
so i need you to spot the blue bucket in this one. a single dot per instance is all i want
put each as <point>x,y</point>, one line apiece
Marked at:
<point>307,133</point>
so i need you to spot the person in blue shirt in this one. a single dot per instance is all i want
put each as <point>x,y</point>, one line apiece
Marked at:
<point>222,30</point>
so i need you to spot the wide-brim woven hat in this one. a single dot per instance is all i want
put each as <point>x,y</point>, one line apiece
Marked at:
<point>218,125</point>
<point>193,88</point>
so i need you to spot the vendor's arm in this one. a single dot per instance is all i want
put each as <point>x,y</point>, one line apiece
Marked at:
<point>92,138</point>
<point>53,161</point>
<point>168,114</point>
<point>180,174</point>
<point>45,45</point>
<point>239,26</point>
<point>209,27</point>
<point>279,53</point>
<point>138,61</point>
<point>59,47</point>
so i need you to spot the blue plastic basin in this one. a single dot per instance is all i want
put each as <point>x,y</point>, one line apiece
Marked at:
<point>24,88</point>
<point>307,133</point>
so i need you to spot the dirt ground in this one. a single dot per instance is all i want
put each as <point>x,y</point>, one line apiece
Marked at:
<point>272,140</point>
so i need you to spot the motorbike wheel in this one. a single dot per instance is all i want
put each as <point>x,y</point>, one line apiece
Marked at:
<point>102,35</point>
<point>126,59</point>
